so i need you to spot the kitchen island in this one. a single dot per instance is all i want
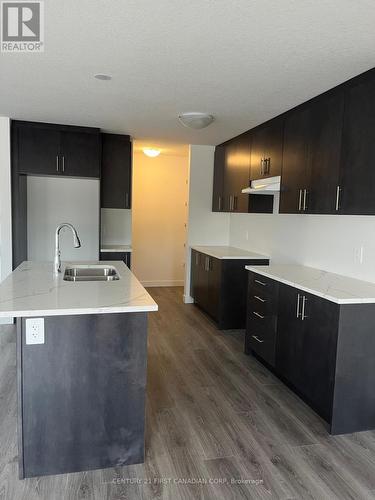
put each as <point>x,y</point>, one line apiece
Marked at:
<point>81,367</point>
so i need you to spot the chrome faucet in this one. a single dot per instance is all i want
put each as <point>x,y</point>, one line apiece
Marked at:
<point>76,242</point>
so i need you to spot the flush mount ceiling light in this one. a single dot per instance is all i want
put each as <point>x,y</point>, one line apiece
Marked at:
<point>151,152</point>
<point>196,120</point>
<point>103,76</point>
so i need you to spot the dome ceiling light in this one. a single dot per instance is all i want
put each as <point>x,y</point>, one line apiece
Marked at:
<point>196,120</point>
<point>151,152</point>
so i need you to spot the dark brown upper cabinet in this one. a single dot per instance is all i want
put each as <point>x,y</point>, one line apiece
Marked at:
<point>326,118</point>
<point>237,173</point>
<point>295,171</point>
<point>231,175</point>
<point>80,154</point>
<point>116,171</point>
<point>357,173</point>
<point>326,150</point>
<point>49,149</point>
<point>267,150</point>
<point>38,149</point>
<point>218,187</point>
<point>311,158</point>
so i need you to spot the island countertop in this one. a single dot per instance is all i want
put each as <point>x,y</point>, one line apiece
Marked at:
<point>33,290</point>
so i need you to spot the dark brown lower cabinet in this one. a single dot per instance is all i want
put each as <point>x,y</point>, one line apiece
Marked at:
<point>323,350</point>
<point>218,287</point>
<point>123,256</point>
<point>306,346</point>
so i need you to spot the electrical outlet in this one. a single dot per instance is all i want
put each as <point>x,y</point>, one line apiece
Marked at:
<point>34,331</point>
<point>358,255</point>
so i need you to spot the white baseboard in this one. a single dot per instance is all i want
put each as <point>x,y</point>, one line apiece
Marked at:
<point>162,283</point>
<point>188,299</point>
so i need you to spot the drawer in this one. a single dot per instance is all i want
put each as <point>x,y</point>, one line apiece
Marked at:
<point>262,286</point>
<point>261,303</point>
<point>263,342</point>
<point>261,324</point>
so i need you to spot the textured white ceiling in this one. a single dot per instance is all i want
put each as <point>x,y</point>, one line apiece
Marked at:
<point>242,60</point>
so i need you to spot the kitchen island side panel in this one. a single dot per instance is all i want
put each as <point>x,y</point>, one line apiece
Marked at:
<point>354,395</point>
<point>82,394</point>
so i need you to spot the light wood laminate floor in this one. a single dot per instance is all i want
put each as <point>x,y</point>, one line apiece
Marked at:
<point>219,426</point>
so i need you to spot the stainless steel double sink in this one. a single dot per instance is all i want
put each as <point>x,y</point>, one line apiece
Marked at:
<point>90,273</point>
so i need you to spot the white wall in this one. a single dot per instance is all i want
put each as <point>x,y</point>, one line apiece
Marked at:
<point>204,226</point>
<point>116,226</point>
<point>5,204</point>
<point>53,200</point>
<point>159,199</point>
<point>329,242</point>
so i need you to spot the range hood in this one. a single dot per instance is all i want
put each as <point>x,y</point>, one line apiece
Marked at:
<point>270,185</point>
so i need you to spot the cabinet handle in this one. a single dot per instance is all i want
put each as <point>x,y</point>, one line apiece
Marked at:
<point>338,191</point>
<point>219,203</point>
<point>261,166</point>
<point>298,304</point>
<point>260,282</point>
<point>268,166</point>
<point>63,163</point>
<point>231,203</point>
<point>259,315</point>
<point>234,202</point>
<point>257,339</point>
<point>207,263</point>
<point>303,316</point>
<point>258,298</point>
<point>57,163</point>
<point>197,259</point>
<point>300,200</point>
<point>304,199</point>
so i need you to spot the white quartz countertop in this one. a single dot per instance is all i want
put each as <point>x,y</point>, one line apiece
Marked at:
<point>334,287</point>
<point>116,248</point>
<point>33,290</point>
<point>225,252</point>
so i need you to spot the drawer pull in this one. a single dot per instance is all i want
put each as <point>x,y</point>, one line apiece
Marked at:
<point>259,315</point>
<point>257,339</point>
<point>260,282</point>
<point>259,298</point>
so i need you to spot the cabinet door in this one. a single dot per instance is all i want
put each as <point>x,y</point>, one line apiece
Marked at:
<point>295,171</point>
<point>266,150</point>
<point>273,150</point>
<point>37,149</point>
<point>194,265</point>
<point>290,333</point>
<point>116,171</point>
<point>357,174</point>
<point>258,147</point>
<point>81,153</point>
<point>318,356</point>
<point>200,280</point>
<point>218,186</point>
<point>213,286</point>
<point>324,153</point>
<point>237,173</point>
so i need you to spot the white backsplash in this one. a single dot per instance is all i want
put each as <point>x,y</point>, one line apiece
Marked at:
<point>328,242</point>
